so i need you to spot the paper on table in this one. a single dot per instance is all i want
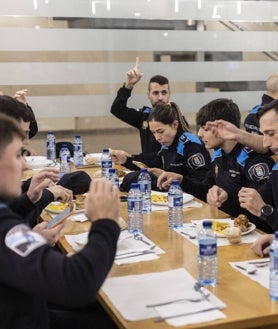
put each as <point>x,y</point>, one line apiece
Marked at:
<point>79,217</point>
<point>127,248</point>
<point>153,288</point>
<point>190,204</point>
<point>262,274</point>
<point>77,241</point>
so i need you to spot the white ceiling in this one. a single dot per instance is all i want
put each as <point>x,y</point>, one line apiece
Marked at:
<point>146,9</point>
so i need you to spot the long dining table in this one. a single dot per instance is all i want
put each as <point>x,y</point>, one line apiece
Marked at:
<point>248,303</point>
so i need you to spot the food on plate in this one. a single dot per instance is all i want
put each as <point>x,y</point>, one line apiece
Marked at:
<point>120,172</point>
<point>219,226</point>
<point>233,234</point>
<point>90,161</point>
<point>57,206</point>
<point>159,198</point>
<point>242,222</point>
<point>139,164</point>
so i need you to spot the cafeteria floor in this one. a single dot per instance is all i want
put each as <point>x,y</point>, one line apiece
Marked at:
<point>94,141</point>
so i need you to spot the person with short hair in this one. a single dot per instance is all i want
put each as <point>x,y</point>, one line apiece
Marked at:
<point>263,202</point>
<point>158,91</point>
<point>32,273</point>
<point>232,167</point>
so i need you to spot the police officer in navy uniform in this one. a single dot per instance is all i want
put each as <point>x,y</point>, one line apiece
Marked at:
<point>251,122</point>
<point>32,273</point>
<point>181,151</point>
<point>158,91</point>
<point>264,201</point>
<point>232,167</point>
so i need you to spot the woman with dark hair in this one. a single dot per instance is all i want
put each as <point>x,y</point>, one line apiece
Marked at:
<point>181,151</point>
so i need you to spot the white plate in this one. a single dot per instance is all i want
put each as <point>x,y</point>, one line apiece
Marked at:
<point>186,198</point>
<point>53,211</point>
<point>226,220</point>
<point>95,156</point>
<point>37,161</point>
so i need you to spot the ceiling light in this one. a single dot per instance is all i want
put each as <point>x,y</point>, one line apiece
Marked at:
<point>93,8</point>
<point>199,4</point>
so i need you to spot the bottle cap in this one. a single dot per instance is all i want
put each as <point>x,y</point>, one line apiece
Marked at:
<point>111,170</point>
<point>105,151</point>
<point>143,170</point>
<point>175,182</point>
<point>276,235</point>
<point>207,224</point>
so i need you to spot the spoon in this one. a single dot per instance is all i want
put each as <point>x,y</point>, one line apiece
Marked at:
<point>249,270</point>
<point>200,288</point>
<point>139,237</point>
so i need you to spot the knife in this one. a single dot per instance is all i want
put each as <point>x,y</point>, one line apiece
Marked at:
<point>161,318</point>
<point>134,255</point>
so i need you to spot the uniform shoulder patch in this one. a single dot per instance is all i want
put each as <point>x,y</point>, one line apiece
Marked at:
<point>259,171</point>
<point>22,240</point>
<point>196,160</point>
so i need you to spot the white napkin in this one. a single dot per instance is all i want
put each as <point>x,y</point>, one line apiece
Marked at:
<point>77,241</point>
<point>262,274</point>
<point>151,288</point>
<point>129,250</point>
<point>79,216</point>
<point>190,204</point>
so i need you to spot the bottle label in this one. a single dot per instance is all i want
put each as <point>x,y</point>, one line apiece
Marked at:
<point>144,187</point>
<point>106,164</point>
<point>134,205</point>
<point>175,201</point>
<point>207,249</point>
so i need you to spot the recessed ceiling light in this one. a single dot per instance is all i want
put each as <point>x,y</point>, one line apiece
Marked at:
<point>137,14</point>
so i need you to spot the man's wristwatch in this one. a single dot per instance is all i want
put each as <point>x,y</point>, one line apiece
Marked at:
<point>266,211</point>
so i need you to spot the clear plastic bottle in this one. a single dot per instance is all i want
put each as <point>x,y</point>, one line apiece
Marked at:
<point>175,205</point>
<point>78,158</point>
<point>207,255</point>
<point>134,207</point>
<point>113,177</point>
<point>145,184</point>
<point>50,146</point>
<point>273,269</point>
<point>64,160</point>
<point>106,163</point>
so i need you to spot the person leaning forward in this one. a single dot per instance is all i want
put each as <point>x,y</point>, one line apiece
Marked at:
<point>32,273</point>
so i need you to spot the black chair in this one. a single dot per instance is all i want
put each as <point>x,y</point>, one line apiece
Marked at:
<point>59,146</point>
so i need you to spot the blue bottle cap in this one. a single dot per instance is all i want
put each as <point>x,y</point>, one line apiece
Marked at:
<point>143,170</point>
<point>105,150</point>
<point>175,182</point>
<point>276,235</point>
<point>207,224</point>
<point>111,170</point>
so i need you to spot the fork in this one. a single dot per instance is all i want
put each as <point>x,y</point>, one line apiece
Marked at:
<point>192,300</point>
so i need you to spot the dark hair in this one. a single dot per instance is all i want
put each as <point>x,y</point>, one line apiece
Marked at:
<point>10,129</point>
<point>272,105</point>
<point>160,79</point>
<point>221,108</point>
<point>167,113</point>
<point>15,109</point>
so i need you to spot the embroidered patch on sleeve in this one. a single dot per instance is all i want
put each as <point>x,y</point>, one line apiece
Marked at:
<point>22,240</point>
<point>196,160</point>
<point>259,171</point>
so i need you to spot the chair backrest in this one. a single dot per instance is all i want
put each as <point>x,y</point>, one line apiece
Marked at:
<point>59,146</point>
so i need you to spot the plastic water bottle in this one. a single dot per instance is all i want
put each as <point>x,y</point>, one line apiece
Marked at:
<point>273,269</point>
<point>113,177</point>
<point>50,146</point>
<point>145,184</point>
<point>134,207</point>
<point>207,256</point>
<point>64,160</point>
<point>78,158</point>
<point>175,205</point>
<point>106,163</point>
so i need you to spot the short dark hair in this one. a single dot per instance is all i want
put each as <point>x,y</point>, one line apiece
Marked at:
<point>221,108</point>
<point>160,79</point>
<point>10,129</point>
<point>15,109</point>
<point>265,108</point>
